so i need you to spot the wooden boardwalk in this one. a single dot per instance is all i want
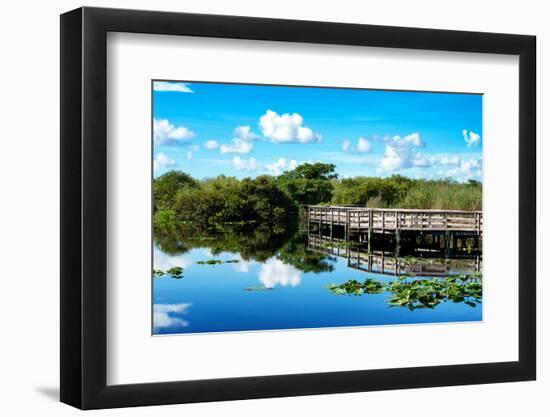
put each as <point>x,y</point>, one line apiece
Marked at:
<point>363,219</point>
<point>447,229</point>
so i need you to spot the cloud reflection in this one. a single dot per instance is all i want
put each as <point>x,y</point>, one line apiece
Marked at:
<point>164,315</point>
<point>164,262</point>
<point>242,265</point>
<point>274,272</point>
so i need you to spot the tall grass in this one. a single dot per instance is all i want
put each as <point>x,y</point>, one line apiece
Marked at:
<point>399,192</point>
<point>443,195</point>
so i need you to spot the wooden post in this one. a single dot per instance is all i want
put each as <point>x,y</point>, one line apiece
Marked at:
<point>347,226</point>
<point>331,222</point>
<point>397,235</point>
<point>369,236</point>
<point>397,243</point>
<point>308,220</point>
<point>320,220</point>
<point>448,243</point>
<point>359,224</point>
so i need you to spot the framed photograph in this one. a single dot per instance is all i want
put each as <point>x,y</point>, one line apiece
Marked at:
<point>261,208</point>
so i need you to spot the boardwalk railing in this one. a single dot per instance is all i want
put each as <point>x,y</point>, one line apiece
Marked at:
<point>381,220</point>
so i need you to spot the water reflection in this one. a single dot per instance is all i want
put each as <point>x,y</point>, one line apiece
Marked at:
<point>312,282</point>
<point>242,266</point>
<point>165,261</point>
<point>380,262</point>
<point>169,315</point>
<point>274,272</point>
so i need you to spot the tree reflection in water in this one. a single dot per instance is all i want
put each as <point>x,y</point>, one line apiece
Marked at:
<point>251,244</point>
<point>289,246</point>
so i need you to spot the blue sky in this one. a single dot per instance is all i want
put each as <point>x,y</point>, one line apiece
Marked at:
<point>208,129</point>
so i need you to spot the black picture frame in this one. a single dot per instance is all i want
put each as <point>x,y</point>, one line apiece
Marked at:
<point>84,207</point>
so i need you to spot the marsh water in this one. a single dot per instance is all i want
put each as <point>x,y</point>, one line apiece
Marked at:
<point>268,281</point>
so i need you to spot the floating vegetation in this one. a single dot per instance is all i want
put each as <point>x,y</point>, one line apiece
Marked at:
<point>354,287</point>
<point>210,262</point>
<point>217,262</point>
<point>261,288</point>
<point>174,272</point>
<point>419,293</point>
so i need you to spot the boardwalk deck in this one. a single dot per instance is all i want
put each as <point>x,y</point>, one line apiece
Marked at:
<point>391,220</point>
<point>448,228</point>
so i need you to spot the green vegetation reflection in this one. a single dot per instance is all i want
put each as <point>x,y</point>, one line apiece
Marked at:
<point>174,272</point>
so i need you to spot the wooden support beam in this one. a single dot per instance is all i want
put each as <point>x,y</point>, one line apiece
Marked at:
<point>397,243</point>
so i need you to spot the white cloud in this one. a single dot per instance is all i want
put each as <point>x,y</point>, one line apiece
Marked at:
<point>274,272</point>
<point>275,168</point>
<point>470,168</point>
<point>245,165</point>
<point>211,144</point>
<point>471,138</point>
<point>362,146</point>
<point>404,154</point>
<point>237,146</point>
<point>242,136</point>
<point>165,133</point>
<point>192,148</point>
<point>162,162</point>
<point>393,159</point>
<point>286,128</point>
<point>164,315</point>
<point>421,160</point>
<point>178,87</point>
<point>449,160</point>
<point>282,165</point>
<point>244,133</point>
<point>401,152</point>
<point>412,140</point>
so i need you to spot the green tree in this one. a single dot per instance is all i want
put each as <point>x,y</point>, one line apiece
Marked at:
<point>316,171</point>
<point>309,183</point>
<point>223,201</point>
<point>167,185</point>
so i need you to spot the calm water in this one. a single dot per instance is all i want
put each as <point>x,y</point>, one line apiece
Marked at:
<point>287,288</point>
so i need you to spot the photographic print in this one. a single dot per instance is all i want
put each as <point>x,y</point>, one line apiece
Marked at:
<point>297,207</point>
